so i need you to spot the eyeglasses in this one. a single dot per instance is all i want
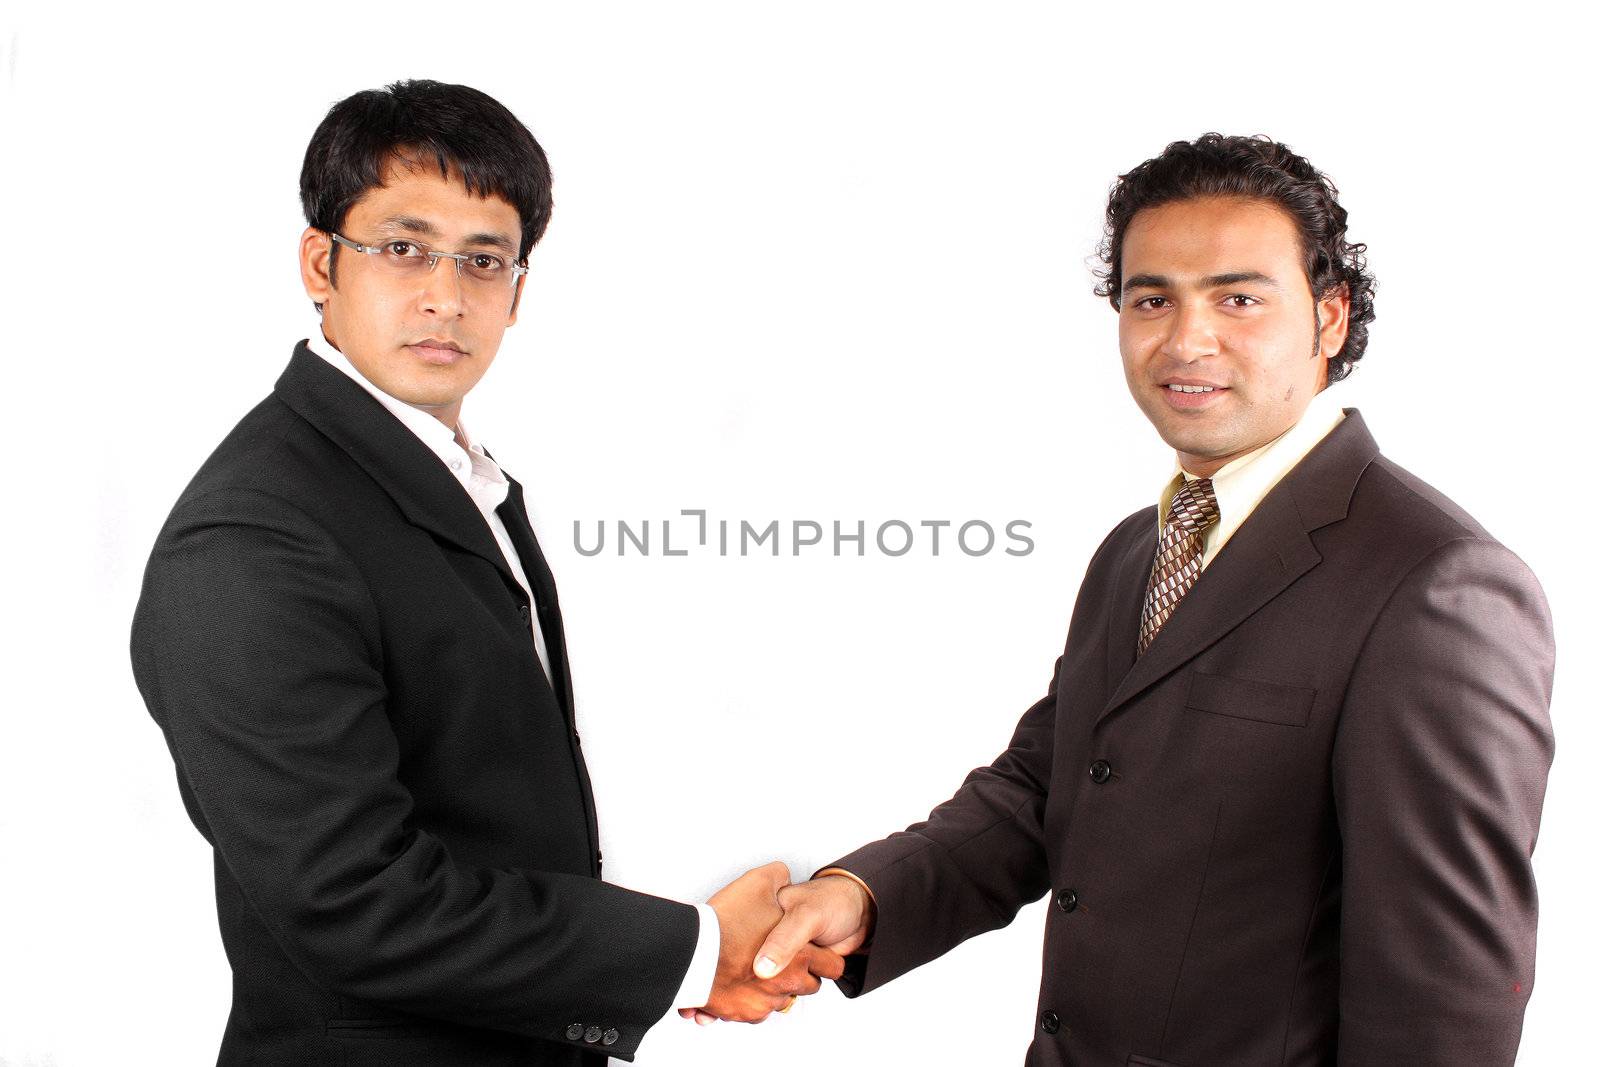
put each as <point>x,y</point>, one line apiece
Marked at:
<point>405,258</point>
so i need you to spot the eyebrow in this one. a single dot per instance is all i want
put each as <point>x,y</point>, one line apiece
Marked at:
<point>1214,281</point>
<point>413,224</point>
<point>494,240</point>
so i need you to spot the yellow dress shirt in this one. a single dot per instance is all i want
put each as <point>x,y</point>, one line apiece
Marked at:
<point>1243,483</point>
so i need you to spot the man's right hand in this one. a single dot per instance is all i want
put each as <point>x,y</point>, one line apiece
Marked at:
<point>831,911</point>
<point>747,910</point>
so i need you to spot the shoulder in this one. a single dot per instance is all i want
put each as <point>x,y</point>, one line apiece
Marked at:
<point>1136,533</point>
<point>1396,521</point>
<point>1129,540</point>
<point>1389,492</point>
<point>1137,529</point>
<point>271,454</point>
<point>1430,545</point>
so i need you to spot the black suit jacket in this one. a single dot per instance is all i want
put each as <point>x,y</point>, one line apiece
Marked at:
<point>404,835</point>
<point>1298,829</point>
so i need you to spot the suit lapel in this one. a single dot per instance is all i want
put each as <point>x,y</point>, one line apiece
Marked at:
<point>1122,624</point>
<point>409,472</point>
<point>1264,557</point>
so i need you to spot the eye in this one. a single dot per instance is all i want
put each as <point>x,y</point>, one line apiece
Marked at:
<point>1240,300</point>
<point>402,250</point>
<point>1152,303</point>
<point>486,262</point>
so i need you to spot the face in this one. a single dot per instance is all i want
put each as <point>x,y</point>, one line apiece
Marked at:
<point>424,339</point>
<point>1220,335</point>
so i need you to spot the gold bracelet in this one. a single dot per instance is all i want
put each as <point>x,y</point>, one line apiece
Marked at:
<point>872,903</point>
<point>865,888</point>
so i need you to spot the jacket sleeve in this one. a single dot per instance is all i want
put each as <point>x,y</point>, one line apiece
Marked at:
<point>1439,767</point>
<point>979,857</point>
<point>256,645</point>
<point>965,870</point>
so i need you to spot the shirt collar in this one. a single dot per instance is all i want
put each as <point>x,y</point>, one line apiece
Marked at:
<point>440,439</point>
<point>1242,483</point>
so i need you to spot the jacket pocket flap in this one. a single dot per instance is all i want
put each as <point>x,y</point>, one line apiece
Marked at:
<point>1245,698</point>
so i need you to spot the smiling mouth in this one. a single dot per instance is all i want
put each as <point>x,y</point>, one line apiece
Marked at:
<point>1191,396</point>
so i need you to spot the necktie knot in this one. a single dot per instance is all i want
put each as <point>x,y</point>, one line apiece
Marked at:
<point>1194,506</point>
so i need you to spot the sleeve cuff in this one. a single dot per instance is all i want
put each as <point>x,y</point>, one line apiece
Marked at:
<point>697,981</point>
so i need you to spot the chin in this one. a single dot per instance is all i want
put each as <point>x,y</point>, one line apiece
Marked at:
<point>429,401</point>
<point>1199,447</point>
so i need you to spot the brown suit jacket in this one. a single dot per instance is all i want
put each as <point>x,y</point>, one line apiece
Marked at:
<point>1298,829</point>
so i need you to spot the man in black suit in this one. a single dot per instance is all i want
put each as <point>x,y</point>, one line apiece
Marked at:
<point>353,645</point>
<point>1284,786</point>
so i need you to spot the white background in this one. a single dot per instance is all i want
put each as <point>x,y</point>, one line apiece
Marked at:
<point>816,261</point>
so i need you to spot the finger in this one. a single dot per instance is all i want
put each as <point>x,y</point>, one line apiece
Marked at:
<point>761,1008</point>
<point>796,980</point>
<point>785,940</point>
<point>775,874</point>
<point>824,962</point>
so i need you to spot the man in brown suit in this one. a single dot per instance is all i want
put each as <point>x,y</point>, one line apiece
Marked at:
<point>1284,787</point>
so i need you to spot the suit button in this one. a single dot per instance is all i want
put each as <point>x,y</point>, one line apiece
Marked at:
<point>525,615</point>
<point>574,1031</point>
<point>592,1034</point>
<point>609,1037</point>
<point>1099,772</point>
<point>1049,1022</point>
<point>1067,900</point>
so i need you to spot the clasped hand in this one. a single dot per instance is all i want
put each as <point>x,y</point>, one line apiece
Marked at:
<point>780,940</point>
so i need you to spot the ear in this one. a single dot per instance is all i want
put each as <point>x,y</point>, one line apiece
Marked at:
<point>516,300</point>
<point>1334,312</point>
<point>316,253</point>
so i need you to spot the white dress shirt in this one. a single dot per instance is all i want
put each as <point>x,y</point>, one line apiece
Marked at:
<point>483,481</point>
<point>1244,482</point>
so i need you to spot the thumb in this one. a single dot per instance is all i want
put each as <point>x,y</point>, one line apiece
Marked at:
<point>793,933</point>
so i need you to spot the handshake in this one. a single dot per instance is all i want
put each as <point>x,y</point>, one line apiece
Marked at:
<point>780,940</point>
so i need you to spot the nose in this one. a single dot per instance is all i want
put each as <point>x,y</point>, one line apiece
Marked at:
<point>441,289</point>
<point>1191,333</point>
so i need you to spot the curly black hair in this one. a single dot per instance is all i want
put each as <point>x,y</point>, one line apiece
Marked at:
<point>1262,169</point>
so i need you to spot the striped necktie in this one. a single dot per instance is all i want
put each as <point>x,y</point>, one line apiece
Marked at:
<point>1178,553</point>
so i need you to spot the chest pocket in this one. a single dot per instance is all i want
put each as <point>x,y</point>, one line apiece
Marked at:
<point>1246,698</point>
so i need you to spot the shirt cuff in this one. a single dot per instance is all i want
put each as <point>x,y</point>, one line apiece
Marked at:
<point>702,973</point>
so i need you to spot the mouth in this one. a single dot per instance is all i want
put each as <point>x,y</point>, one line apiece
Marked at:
<point>436,350</point>
<point>1189,394</point>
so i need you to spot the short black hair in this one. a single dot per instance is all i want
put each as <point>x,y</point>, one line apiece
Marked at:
<point>462,129</point>
<point>1257,168</point>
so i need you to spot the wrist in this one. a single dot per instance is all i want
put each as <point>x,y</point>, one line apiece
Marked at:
<point>860,893</point>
